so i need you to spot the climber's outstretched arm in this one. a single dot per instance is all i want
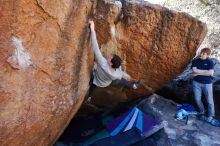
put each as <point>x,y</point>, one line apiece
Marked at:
<point>98,55</point>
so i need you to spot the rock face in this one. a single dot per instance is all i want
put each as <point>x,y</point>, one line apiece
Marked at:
<point>46,58</point>
<point>176,132</point>
<point>45,68</point>
<point>161,41</point>
<point>207,11</point>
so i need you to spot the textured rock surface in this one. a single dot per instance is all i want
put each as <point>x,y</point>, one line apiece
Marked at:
<point>207,11</point>
<point>46,58</point>
<point>37,100</point>
<point>175,132</point>
<point>156,44</point>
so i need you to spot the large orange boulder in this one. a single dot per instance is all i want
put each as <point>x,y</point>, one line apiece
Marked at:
<point>46,58</point>
<point>155,43</point>
<point>45,68</point>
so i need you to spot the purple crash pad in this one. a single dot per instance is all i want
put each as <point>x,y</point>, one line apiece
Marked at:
<point>134,118</point>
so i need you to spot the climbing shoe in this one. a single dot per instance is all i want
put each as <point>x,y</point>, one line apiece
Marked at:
<point>137,83</point>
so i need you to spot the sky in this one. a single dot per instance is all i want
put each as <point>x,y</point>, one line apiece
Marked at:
<point>156,1</point>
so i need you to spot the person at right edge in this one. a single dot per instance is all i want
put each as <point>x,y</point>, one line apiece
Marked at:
<point>202,72</point>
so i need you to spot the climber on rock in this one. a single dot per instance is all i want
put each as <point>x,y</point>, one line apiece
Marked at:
<point>108,72</point>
